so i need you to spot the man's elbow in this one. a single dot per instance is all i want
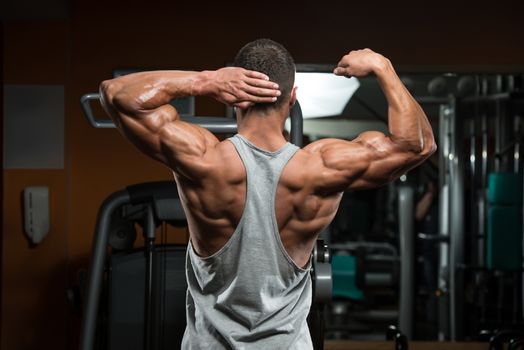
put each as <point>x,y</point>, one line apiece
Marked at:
<point>112,94</point>
<point>422,150</point>
<point>428,148</point>
<point>107,90</point>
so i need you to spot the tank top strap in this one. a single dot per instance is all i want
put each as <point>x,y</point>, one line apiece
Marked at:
<point>263,166</point>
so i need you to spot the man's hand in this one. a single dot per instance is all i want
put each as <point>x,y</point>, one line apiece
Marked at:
<point>360,63</point>
<point>239,87</point>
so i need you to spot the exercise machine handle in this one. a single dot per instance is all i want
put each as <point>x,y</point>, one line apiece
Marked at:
<point>213,124</point>
<point>88,112</point>
<point>218,125</point>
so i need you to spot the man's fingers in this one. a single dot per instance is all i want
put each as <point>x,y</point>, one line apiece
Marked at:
<point>261,83</point>
<point>342,71</point>
<point>343,61</point>
<point>258,99</point>
<point>256,75</point>
<point>251,100</point>
<point>243,105</point>
<point>245,99</point>
<point>257,91</point>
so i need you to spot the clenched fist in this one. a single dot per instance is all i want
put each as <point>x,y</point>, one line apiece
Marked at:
<point>360,63</point>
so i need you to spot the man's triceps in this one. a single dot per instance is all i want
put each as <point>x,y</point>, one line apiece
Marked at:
<point>370,161</point>
<point>342,163</point>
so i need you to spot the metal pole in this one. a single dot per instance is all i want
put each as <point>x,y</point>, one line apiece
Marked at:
<point>483,203</point>
<point>443,274</point>
<point>498,137</point>
<point>149,237</point>
<point>456,227</point>
<point>473,160</point>
<point>297,125</point>
<point>518,168</point>
<point>406,224</point>
<point>517,162</point>
<point>96,267</point>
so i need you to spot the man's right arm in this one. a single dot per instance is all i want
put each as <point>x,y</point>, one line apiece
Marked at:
<point>373,159</point>
<point>139,105</point>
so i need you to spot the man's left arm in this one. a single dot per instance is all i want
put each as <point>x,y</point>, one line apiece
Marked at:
<point>139,106</point>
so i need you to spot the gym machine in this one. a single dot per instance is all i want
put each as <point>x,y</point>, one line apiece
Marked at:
<point>160,202</point>
<point>495,115</point>
<point>480,201</point>
<point>365,281</point>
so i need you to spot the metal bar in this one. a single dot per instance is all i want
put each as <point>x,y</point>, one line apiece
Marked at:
<point>474,193</point>
<point>488,98</point>
<point>352,246</point>
<point>218,125</point>
<point>375,315</point>
<point>498,136</point>
<point>377,279</point>
<point>88,112</point>
<point>213,124</point>
<point>433,238</point>
<point>96,267</point>
<point>432,100</point>
<point>297,125</point>
<point>443,274</point>
<point>456,224</point>
<point>406,224</point>
<point>482,192</point>
<point>516,146</point>
<point>149,236</point>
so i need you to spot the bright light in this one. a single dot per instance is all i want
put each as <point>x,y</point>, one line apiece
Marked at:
<point>323,94</point>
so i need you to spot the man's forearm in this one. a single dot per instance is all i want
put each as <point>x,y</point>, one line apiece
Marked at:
<point>407,121</point>
<point>144,92</point>
<point>147,91</point>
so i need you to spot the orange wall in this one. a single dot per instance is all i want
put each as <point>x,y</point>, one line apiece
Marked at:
<point>83,51</point>
<point>34,278</point>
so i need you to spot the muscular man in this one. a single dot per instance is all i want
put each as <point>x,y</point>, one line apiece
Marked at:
<point>255,203</point>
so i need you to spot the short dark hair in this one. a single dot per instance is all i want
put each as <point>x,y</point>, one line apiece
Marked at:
<point>271,58</point>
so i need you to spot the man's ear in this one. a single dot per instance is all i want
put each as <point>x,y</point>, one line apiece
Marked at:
<point>293,97</point>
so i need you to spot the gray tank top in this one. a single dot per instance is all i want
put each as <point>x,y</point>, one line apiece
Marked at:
<point>250,294</point>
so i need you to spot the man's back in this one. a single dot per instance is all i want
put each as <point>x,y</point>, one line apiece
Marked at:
<point>249,293</point>
<point>215,207</point>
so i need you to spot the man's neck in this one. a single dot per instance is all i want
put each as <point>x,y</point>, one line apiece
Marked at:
<point>263,130</point>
